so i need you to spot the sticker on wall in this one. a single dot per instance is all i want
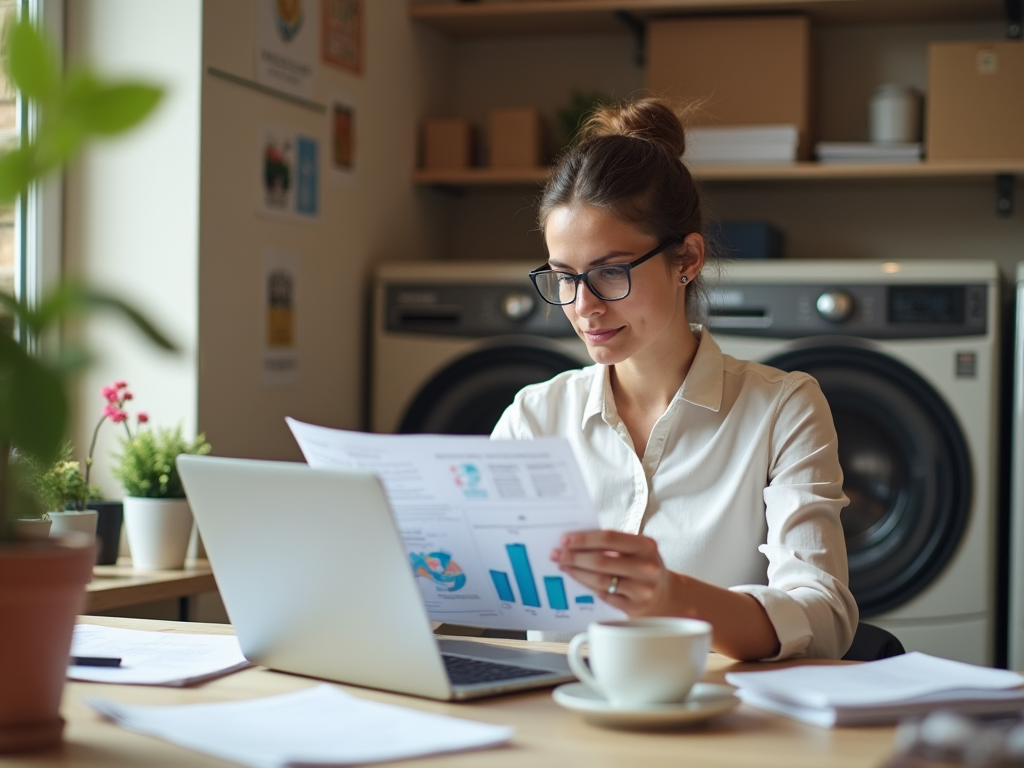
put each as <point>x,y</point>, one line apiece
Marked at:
<point>342,34</point>
<point>289,174</point>
<point>287,33</point>
<point>343,140</point>
<point>279,360</point>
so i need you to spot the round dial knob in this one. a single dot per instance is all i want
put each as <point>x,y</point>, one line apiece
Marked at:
<point>517,305</point>
<point>835,306</point>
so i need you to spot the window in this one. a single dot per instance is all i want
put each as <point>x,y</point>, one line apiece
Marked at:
<point>10,251</point>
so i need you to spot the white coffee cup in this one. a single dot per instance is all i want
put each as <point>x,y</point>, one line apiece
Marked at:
<point>642,661</point>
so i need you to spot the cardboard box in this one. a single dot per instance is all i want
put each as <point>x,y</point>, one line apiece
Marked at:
<point>516,138</point>
<point>975,101</point>
<point>447,143</point>
<point>747,70</point>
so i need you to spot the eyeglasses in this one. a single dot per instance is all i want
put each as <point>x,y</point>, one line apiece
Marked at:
<point>608,282</point>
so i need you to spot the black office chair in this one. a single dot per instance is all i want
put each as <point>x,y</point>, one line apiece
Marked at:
<point>871,643</point>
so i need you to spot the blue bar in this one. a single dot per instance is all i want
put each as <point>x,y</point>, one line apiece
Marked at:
<point>585,599</point>
<point>524,574</point>
<point>501,583</point>
<point>555,588</point>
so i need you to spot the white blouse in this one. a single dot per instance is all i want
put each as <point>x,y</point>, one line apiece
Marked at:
<point>740,484</point>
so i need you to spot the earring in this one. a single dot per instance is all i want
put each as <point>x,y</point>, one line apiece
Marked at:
<point>683,279</point>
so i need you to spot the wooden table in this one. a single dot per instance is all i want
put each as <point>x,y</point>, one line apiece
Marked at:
<point>118,586</point>
<point>546,736</point>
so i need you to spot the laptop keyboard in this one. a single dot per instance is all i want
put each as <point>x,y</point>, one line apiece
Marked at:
<point>463,671</point>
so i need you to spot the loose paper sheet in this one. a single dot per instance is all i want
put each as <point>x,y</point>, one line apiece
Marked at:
<point>479,519</point>
<point>154,658</point>
<point>316,726</point>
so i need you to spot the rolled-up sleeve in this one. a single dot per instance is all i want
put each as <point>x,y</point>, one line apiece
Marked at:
<point>807,597</point>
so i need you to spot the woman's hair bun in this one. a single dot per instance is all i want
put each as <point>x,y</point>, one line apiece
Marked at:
<point>652,119</point>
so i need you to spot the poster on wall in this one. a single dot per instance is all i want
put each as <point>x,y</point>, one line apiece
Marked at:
<point>342,132</point>
<point>342,34</point>
<point>287,33</point>
<point>279,359</point>
<point>289,174</point>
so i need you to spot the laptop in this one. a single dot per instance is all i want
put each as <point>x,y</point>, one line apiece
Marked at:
<point>316,581</point>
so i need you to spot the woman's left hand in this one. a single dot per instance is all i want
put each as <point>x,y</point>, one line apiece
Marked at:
<point>624,569</point>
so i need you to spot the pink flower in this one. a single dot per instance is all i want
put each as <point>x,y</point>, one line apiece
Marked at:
<point>110,393</point>
<point>114,413</point>
<point>120,384</point>
<point>126,395</point>
<point>143,417</point>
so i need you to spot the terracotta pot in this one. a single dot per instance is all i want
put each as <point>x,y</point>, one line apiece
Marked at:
<point>42,588</point>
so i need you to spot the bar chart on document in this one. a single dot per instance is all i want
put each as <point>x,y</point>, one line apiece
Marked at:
<point>479,519</point>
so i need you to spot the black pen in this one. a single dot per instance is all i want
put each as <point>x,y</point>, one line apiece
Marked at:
<point>96,661</point>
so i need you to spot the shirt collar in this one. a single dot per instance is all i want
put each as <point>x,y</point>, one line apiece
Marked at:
<point>702,386</point>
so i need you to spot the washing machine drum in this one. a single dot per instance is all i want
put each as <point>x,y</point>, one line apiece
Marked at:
<point>906,470</point>
<point>469,395</point>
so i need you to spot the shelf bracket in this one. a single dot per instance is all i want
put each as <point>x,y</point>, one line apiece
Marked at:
<point>1013,19</point>
<point>639,30</point>
<point>1005,183</point>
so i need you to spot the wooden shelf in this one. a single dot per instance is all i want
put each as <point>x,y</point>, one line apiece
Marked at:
<point>481,177</point>
<point>516,177</point>
<point>507,18</point>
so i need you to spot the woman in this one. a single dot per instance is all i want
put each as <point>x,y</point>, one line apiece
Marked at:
<point>717,481</point>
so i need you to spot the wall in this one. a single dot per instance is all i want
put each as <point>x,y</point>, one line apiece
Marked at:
<point>167,216</point>
<point>381,217</point>
<point>132,213</point>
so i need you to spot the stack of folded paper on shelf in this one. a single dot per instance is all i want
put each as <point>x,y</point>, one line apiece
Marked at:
<point>880,691</point>
<point>742,144</point>
<point>867,152</point>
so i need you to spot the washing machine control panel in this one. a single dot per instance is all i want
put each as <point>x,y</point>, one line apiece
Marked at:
<point>517,305</point>
<point>835,306</point>
<point>788,310</point>
<point>474,310</point>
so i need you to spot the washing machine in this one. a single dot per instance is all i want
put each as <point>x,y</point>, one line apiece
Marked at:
<point>454,341</point>
<point>907,355</point>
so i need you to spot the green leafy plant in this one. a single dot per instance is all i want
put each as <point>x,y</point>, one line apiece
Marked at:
<point>62,485</point>
<point>70,109</point>
<point>146,466</point>
<point>573,116</point>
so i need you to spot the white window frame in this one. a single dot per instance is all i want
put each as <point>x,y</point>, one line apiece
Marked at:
<point>38,222</point>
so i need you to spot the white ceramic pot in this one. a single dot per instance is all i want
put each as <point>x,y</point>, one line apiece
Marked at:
<point>83,521</point>
<point>158,532</point>
<point>31,530</point>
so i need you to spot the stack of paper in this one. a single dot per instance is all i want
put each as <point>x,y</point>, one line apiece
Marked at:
<point>154,658</point>
<point>742,144</point>
<point>865,152</point>
<point>317,726</point>
<point>880,691</point>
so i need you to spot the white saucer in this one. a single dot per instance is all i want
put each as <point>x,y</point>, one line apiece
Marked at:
<point>705,700</point>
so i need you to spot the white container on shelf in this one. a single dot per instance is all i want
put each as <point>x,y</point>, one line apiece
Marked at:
<point>158,532</point>
<point>895,114</point>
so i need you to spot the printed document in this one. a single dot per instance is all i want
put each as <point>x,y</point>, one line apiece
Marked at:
<point>154,658</point>
<point>316,726</point>
<point>479,519</point>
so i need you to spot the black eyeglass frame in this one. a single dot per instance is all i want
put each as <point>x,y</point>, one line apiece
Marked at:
<point>583,276</point>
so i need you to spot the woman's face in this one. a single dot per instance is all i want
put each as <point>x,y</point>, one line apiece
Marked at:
<point>649,318</point>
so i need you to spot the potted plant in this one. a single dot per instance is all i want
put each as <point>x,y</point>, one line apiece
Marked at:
<point>110,513</point>
<point>157,517</point>
<point>42,583</point>
<point>64,492</point>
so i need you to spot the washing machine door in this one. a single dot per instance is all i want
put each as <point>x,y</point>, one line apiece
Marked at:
<point>905,465</point>
<point>469,395</point>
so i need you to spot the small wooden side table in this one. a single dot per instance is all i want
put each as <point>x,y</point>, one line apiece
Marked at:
<point>118,586</point>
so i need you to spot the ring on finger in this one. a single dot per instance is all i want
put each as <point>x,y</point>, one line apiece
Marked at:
<point>613,586</point>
